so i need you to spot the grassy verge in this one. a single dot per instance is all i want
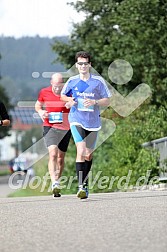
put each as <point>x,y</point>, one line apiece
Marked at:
<point>41,183</point>
<point>27,193</point>
<point>31,186</point>
<point>4,172</point>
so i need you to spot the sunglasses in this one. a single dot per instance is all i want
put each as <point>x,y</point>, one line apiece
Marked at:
<point>83,63</point>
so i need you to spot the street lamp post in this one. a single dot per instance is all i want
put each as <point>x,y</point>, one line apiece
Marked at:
<point>34,146</point>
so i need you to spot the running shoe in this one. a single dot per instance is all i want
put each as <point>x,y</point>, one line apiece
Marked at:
<point>56,195</point>
<point>56,190</point>
<point>82,192</point>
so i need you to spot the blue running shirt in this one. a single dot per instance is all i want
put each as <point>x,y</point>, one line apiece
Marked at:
<point>94,88</point>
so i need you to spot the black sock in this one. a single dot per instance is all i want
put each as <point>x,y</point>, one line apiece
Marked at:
<point>88,165</point>
<point>80,167</point>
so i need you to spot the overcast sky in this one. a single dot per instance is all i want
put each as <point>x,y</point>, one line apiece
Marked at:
<point>50,18</point>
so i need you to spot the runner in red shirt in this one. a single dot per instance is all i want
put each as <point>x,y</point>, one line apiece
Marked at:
<point>56,129</point>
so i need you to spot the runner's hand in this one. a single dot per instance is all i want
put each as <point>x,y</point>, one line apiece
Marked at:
<point>88,102</point>
<point>43,114</point>
<point>70,103</point>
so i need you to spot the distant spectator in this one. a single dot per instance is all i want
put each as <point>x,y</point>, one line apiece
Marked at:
<point>4,117</point>
<point>11,163</point>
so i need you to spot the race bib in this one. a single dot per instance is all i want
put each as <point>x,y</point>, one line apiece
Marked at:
<point>55,117</point>
<point>81,106</point>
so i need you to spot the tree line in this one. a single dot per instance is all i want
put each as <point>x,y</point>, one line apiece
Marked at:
<point>20,58</point>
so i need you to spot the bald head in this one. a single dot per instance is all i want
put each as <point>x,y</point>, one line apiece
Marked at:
<point>56,78</point>
<point>57,83</point>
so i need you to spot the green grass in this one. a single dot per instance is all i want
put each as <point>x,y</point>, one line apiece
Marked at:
<point>30,187</point>
<point>27,193</point>
<point>5,172</point>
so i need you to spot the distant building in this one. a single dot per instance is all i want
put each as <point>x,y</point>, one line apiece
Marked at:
<point>24,118</point>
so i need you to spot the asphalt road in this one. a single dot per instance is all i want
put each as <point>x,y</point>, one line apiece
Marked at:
<point>135,221</point>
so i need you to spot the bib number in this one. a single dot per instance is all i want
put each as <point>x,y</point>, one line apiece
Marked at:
<point>81,106</point>
<point>55,117</point>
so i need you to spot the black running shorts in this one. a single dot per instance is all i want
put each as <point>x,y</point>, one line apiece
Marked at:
<point>57,137</point>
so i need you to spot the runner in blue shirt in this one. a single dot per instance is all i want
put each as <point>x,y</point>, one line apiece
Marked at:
<point>84,93</point>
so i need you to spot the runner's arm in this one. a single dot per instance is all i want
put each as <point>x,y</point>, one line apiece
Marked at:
<point>39,108</point>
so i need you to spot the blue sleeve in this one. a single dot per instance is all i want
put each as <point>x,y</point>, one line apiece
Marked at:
<point>104,91</point>
<point>67,89</point>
